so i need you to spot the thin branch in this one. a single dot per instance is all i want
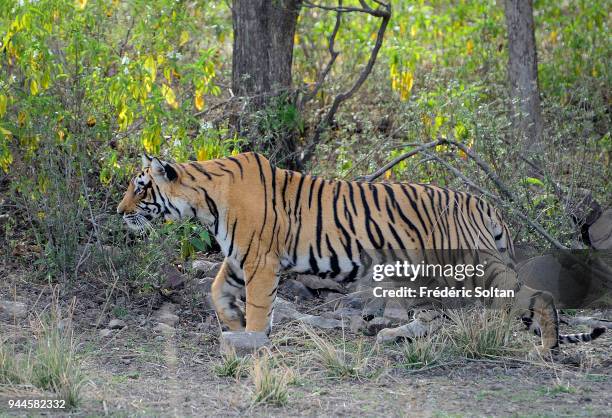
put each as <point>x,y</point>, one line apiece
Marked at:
<point>379,12</point>
<point>333,54</point>
<point>399,159</point>
<point>385,14</point>
<point>465,179</point>
<point>519,212</point>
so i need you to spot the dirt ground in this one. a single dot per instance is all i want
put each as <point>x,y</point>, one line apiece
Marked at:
<point>143,371</point>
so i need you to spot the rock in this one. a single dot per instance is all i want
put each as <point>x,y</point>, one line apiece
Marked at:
<point>354,300</point>
<point>296,290</point>
<point>334,299</point>
<point>116,324</point>
<point>341,313</point>
<point>357,324</point>
<point>174,278</point>
<point>600,232</point>
<point>315,283</point>
<point>205,285</point>
<point>105,333</point>
<point>242,343</point>
<point>13,310</point>
<point>396,314</point>
<point>167,318</point>
<point>376,325</point>
<point>163,328</point>
<point>208,268</point>
<point>284,310</point>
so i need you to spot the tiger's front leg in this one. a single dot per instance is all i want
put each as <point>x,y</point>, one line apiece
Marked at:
<point>226,289</point>
<point>261,286</point>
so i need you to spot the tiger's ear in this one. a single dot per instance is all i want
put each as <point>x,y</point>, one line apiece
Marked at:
<point>162,171</point>
<point>146,161</point>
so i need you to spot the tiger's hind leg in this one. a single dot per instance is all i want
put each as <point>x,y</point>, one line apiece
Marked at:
<point>226,290</point>
<point>537,309</point>
<point>425,322</point>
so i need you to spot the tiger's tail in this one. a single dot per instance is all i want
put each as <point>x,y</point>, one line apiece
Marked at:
<point>584,337</point>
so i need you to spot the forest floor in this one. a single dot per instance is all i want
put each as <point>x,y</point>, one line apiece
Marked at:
<point>142,370</point>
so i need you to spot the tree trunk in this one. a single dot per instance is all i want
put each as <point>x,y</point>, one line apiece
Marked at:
<point>526,114</point>
<point>261,70</point>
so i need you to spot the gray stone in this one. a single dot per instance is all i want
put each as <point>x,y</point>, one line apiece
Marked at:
<point>243,343</point>
<point>116,324</point>
<point>396,313</point>
<point>105,333</point>
<point>315,283</point>
<point>296,290</point>
<point>357,324</point>
<point>208,268</point>
<point>354,300</point>
<point>163,328</point>
<point>205,284</point>
<point>600,233</point>
<point>167,318</point>
<point>374,326</point>
<point>13,310</point>
<point>342,313</point>
<point>285,311</point>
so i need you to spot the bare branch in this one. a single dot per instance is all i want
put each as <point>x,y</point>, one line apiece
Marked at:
<point>518,212</point>
<point>333,54</point>
<point>399,159</point>
<point>379,12</point>
<point>385,14</point>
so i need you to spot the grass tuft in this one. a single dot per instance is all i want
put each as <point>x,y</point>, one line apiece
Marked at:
<point>231,366</point>
<point>343,362</point>
<point>481,333</point>
<point>11,369</point>
<point>424,352</point>
<point>271,383</point>
<point>55,366</point>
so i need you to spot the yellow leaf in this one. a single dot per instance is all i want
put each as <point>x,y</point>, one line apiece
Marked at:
<point>184,38</point>
<point>201,154</point>
<point>81,4</point>
<point>7,134</point>
<point>61,134</point>
<point>553,37</point>
<point>413,30</point>
<point>21,119</point>
<point>387,174</point>
<point>34,87</point>
<point>169,95</point>
<point>198,100</point>
<point>469,47</point>
<point>3,103</point>
<point>151,66</point>
<point>91,121</point>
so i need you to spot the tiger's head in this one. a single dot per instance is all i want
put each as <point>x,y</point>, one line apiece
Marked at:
<point>146,197</point>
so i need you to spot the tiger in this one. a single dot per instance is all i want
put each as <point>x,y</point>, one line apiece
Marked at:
<point>270,221</point>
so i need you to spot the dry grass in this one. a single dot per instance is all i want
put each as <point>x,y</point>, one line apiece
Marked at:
<point>270,381</point>
<point>49,363</point>
<point>346,361</point>
<point>481,333</point>
<point>231,366</point>
<point>425,352</point>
